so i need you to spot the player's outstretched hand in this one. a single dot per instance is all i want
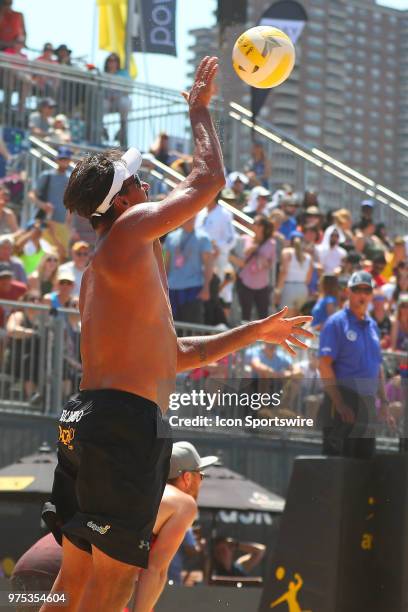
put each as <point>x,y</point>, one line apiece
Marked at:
<point>277,329</point>
<point>204,83</point>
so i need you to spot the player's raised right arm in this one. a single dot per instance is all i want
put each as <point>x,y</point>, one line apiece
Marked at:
<point>206,178</point>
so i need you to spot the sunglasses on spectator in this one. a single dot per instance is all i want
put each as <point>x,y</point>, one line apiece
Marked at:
<point>53,259</point>
<point>365,290</point>
<point>82,253</point>
<point>65,282</point>
<point>201,474</point>
<point>32,298</point>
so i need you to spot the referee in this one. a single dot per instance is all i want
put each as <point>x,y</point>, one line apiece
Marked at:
<point>351,369</point>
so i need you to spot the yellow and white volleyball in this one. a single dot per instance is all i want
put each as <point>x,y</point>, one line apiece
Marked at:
<point>263,57</point>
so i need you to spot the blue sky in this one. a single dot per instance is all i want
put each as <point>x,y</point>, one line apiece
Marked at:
<point>74,23</point>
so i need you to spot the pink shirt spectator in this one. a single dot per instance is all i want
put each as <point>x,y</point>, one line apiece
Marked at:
<point>256,272</point>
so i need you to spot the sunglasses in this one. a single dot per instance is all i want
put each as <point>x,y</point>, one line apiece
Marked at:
<point>51,259</point>
<point>65,282</point>
<point>201,474</point>
<point>365,290</point>
<point>82,254</point>
<point>32,298</point>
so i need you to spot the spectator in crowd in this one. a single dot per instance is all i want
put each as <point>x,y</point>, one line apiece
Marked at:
<point>6,256</point>
<point>380,316</point>
<point>31,246</point>
<point>8,220</point>
<point>378,266</point>
<point>398,283</point>
<point>189,265</point>
<point>47,54</point>
<point>257,201</point>
<point>259,164</point>
<point>40,121</point>
<point>351,369</point>
<point>343,224</point>
<point>116,101</point>
<point>59,132</point>
<point>24,358</point>
<point>277,217</point>
<point>160,149</point>
<point>295,275</point>
<point>44,278</point>
<point>49,196</point>
<point>310,242</point>
<point>273,364</point>
<point>63,54</point>
<point>216,222</point>
<point>80,252</point>
<point>367,210</point>
<point>19,81</point>
<point>331,255</point>
<point>399,330</point>
<point>382,235</point>
<point>11,24</point>
<point>255,268</point>
<point>233,558</point>
<point>5,157</point>
<point>313,218</point>
<point>366,241</point>
<point>327,303</point>
<point>188,550</point>
<point>397,256</point>
<point>237,182</point>
<point>10,289</point>
<point>16,48</point>
<point>62,297</point>
<point>289,206</point>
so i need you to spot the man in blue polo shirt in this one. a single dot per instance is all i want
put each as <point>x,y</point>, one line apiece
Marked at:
<point>351,369</point>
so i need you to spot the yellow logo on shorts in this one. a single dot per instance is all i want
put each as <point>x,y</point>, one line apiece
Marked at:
<point>66,435</point>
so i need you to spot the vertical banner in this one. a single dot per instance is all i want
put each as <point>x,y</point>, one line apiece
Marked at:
<point>290,17</point>
<point>155,27</point>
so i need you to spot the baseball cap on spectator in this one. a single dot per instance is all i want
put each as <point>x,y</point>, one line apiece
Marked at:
<point>64,153</point>
<point>370,203</point>
<point>261,192</point>
<point>47,102</point>
<point>295,234</point>
<point>6,238</point>
<point>80,244</point>
<point>228,194</point>
<point>62,48</point>
<point>235,176</point>
<point>185,458</point>
<point>288,201</point>
<point>360,278</point>
<point>62,118</point>
<point>48,47</point>
<point>313,211</point>
<point>403,298</point>
<point>66,275</point>
<point>5,269</point>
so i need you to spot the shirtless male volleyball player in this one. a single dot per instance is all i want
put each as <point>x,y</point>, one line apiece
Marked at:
<point>130,357</point>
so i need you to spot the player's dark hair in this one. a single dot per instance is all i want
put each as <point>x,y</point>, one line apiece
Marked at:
<point>89,184</point>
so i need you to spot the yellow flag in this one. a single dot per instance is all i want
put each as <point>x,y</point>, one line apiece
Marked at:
<point>112,30</point>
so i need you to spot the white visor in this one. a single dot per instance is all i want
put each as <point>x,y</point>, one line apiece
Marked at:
<point>124,168</point>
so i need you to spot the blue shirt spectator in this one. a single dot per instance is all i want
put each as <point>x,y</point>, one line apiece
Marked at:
<point>184,251</point>
<point>354,346</point>
<point>179,559</point>
<point>319,311</point>
<point>272,357</point>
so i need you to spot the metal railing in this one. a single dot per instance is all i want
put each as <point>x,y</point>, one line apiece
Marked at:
<point>40,367</point>
<point>101,109</point>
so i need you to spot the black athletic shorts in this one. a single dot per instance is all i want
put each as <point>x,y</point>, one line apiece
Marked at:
<point>114,454</point>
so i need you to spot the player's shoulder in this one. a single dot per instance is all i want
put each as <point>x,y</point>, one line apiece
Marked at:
<point>181,502</point>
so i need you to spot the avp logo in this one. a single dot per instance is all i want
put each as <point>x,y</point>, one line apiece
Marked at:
<point>66,435</point>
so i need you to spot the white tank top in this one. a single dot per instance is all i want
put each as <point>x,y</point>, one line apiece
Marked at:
<point>297,272</point>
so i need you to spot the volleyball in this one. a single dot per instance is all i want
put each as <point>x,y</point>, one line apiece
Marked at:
<point>263,57</point>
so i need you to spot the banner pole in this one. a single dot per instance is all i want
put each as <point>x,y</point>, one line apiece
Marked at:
<point>129,31</point>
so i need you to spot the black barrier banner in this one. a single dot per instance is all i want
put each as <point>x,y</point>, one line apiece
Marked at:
<point>155,27</point>
<point>290,17</point>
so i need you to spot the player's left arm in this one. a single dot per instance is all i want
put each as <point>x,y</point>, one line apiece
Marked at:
<point>152,581</point>
<point>194,352</point>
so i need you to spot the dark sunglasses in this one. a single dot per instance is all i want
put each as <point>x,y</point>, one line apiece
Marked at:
<point>201,474</point>
<point>127,184</point>
<point>82,254</point>
<point>365,290</point>
<point>65,282</point>
<point>53,259</point>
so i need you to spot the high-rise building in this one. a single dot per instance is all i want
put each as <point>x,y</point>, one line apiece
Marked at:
<point>348,93</point>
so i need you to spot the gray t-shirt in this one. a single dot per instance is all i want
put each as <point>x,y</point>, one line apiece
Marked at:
<point>55,183</point>
<point>36,120</point>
